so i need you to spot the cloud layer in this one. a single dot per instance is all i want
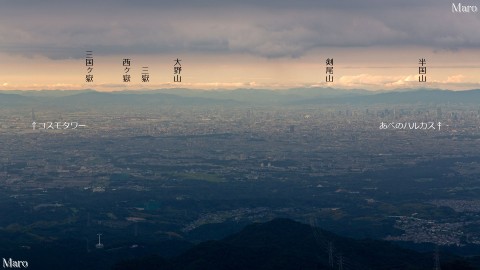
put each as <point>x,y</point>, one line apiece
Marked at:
<point>270,29</point>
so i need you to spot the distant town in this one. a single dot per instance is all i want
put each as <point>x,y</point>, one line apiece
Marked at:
<point>170,170</point>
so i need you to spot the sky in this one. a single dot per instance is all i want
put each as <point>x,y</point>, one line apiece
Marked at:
<point>228,44</point>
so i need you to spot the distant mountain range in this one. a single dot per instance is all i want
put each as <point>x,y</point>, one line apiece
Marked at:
<point>286,244</point>
<point>251,97</point>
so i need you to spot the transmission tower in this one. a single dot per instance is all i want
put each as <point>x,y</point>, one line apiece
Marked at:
<point>99,245</point>
<point>340,262</point>
<point>330,254</point>
<point>436,257</point>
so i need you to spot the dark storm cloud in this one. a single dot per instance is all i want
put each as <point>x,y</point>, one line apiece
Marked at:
<point>280,28</point>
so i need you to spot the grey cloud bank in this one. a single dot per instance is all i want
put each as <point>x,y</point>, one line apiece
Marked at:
<point>64,29</point>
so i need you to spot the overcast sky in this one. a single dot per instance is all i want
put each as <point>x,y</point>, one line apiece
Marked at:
<point>268,44</point>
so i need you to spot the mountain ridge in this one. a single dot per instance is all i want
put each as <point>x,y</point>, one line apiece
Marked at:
<point>249,97</point>
<point>285,244</point>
